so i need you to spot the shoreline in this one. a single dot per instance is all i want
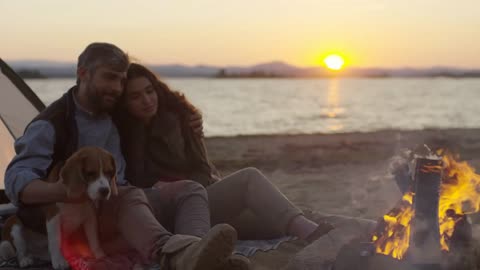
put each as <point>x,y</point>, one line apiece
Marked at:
<point>387,130</point>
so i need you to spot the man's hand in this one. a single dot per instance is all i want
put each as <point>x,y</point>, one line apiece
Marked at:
<point>39,191</point>
<point>196,123</point>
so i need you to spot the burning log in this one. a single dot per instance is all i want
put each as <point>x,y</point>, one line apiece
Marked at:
<point>424,247</point>
<point>392,234</point>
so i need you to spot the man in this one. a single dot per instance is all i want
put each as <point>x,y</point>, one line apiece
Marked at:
<point>81,118</point>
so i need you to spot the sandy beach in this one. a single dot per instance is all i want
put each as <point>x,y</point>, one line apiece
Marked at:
<point>344,174</point>
<point>340,174</point>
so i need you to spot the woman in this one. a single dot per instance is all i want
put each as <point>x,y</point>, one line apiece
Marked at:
<point>161,148</point>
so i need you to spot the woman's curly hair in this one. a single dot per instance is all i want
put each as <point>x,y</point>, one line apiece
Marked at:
<point>168,99</point>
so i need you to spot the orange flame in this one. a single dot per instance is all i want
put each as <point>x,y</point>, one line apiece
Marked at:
<point>394,239</point>
<point>459,195</point>
<point>431,168</point>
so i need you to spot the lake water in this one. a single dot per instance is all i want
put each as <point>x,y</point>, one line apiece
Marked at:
<point>278,106</point>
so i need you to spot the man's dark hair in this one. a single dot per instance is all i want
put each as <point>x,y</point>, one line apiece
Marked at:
<point>105,54</point>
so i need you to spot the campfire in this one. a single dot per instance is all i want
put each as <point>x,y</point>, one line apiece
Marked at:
<point>428,228</point>
<point>454,192</point>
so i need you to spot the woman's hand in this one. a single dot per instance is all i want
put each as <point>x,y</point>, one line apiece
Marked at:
<point>196,123</point>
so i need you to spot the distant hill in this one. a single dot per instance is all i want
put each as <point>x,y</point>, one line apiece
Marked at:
<point>49,69</point>
<point>31,74</point>
<point>185,71</point>
<point>52,69</point>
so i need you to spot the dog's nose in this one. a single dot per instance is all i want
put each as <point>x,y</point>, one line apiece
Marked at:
<point>104,191</point>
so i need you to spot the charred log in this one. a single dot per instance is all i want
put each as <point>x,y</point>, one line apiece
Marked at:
<point>425,231</point>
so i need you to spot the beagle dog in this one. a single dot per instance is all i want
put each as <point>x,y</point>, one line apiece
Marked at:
<point>89,176</point>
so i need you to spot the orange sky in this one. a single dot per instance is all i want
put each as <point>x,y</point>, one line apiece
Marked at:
<point>369,33</point>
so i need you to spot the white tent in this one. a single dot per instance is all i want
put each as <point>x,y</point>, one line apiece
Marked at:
<point>18,106</point>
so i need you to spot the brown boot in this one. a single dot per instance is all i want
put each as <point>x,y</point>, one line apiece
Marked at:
<point>190,253</point>
<point>237,262</point>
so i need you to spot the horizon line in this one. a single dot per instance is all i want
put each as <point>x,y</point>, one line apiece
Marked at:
<point>250,65</point>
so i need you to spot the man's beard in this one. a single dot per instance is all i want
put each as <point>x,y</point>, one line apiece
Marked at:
<point>96,100</point>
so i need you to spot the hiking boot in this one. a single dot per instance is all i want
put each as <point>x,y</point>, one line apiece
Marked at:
<point>237,262</point>
<point>183,252</point>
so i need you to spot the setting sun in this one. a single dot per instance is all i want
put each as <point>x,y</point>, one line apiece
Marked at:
<point>334,62</point>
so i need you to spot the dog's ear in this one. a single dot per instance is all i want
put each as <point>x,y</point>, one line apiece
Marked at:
<point>113,179</point>
<point>72,176</point>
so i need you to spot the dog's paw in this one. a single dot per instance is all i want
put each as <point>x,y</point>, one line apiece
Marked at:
<point>25,261</point>
<point>59,262</point>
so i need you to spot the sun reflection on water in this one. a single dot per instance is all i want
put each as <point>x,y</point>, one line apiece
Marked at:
<point>333,111</point>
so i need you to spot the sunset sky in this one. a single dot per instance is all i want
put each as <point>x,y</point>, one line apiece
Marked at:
<point>368,33</point>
